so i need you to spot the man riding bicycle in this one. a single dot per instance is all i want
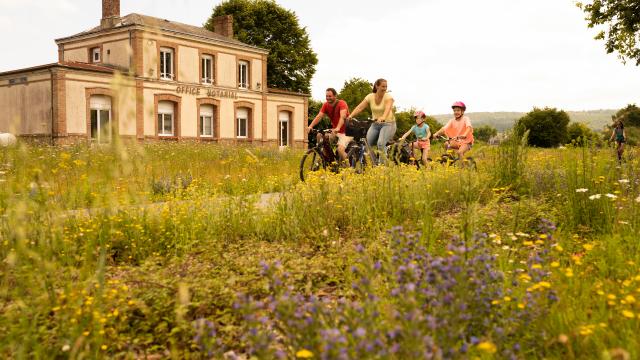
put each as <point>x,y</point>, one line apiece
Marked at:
<point>337,111</point>
<point>458,130</point>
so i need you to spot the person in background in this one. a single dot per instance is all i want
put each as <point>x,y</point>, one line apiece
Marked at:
<point>620,136</point>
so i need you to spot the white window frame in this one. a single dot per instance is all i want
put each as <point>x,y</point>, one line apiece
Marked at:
<point>283,118</point>
<point>96,51</point>
<point>243,74</point>
<point>167,72</point>
<point>207,69</point>
<point>206,115</point>
<point>242,115</point>
<point>99,103</point>
<point>163,113</point>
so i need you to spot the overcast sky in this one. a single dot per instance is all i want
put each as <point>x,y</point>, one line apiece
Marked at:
<point>495,55</point>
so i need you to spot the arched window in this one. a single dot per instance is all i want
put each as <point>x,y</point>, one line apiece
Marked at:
<point>242,119</point>
<point>166,116</point>
<point>100,112</point>
<point>283,127</point>
<point>207,121</point>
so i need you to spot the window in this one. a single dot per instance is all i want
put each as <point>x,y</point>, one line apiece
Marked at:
<point>243,74</point>
<point>206,120</point>
<point>166,63</point>
<point>95,55</point>
<point>206,65</point>
<point>283,122</point>
<point>100,109</point>
<point>242,122</point>
<point>165,118</point>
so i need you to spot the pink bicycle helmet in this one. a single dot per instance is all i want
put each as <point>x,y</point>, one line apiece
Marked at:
<point>459,104</point>
<point>419,114</point>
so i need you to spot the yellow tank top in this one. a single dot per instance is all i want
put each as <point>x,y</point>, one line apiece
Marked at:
<point>377,110</point>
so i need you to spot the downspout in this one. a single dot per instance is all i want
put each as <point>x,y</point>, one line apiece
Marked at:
<point>52,102</point>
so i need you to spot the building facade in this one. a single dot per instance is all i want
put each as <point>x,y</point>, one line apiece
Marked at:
<point>147,78</point>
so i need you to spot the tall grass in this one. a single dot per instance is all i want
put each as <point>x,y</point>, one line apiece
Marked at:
<point>95,264</point>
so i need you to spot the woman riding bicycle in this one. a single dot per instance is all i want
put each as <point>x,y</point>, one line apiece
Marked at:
<point>381,104</point>
<point>422,132</point>
<point>621,137</point>
<point>458,130</point>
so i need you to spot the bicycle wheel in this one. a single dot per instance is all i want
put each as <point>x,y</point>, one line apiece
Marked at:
<point>357,160</point>
<point>311,161</point>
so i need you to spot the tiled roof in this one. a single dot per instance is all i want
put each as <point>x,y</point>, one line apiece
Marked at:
<point>166,25</point>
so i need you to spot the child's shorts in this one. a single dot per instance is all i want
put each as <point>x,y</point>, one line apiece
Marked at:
<point>424,144</point>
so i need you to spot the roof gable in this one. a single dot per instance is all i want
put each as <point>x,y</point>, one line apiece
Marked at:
<point>151,22</point>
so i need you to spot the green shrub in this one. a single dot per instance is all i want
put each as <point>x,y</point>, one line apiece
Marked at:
<point>547,127</point>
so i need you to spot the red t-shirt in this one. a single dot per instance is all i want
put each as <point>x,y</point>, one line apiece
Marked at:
<point>334,113</point>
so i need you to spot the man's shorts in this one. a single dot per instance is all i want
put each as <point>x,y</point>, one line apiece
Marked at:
<point>343,140</point>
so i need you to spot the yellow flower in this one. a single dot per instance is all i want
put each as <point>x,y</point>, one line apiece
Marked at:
<point>103,347</point>
<point>487,346</point>
<point>555,264</point>
<point>588,247</point>
<point>630,299</point>
<point>304,354</point>
<point>628,314</point>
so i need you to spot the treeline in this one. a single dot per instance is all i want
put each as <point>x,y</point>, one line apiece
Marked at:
<point>503,121</point>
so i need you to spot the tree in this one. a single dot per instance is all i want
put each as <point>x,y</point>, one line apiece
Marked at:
<point>353,92</point>
<point>579,134</point>
<point>484,132</point>
<point>629,115</point>
<point>263,23</point>
<point>547,127</point>
<point>621,19</point>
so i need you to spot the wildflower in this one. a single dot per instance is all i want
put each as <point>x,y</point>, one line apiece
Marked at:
<point>103,347</point>
<point>562,338</point>
<point>588,247</point>
<point>628,314</point>
<point>66,348</point>
<point>611,196</point>
<point>487,346</point>
<point>304,354</point>
<point>582,190</point>
<point>596,196</point>
<point>623,181</point>
<point>555,264</point>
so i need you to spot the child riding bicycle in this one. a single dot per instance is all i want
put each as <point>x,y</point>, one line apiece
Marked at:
<point>422,133</point>
<point>458,130</point>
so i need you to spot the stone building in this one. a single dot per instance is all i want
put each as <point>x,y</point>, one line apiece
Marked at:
<point>146,78</point>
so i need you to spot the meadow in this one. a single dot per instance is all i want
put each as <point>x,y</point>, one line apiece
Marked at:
<point>163,251</point>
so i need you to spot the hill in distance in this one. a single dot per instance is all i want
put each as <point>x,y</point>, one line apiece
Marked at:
<point>594,119</point>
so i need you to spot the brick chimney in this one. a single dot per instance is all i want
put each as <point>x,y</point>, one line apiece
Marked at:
<point>223,25</point>
<point>110,13</point>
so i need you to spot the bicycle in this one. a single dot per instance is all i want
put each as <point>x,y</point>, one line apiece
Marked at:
<point>321,156</point>
<point>451,158</point>
<point>402,153</point>
<point>359,152</point>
